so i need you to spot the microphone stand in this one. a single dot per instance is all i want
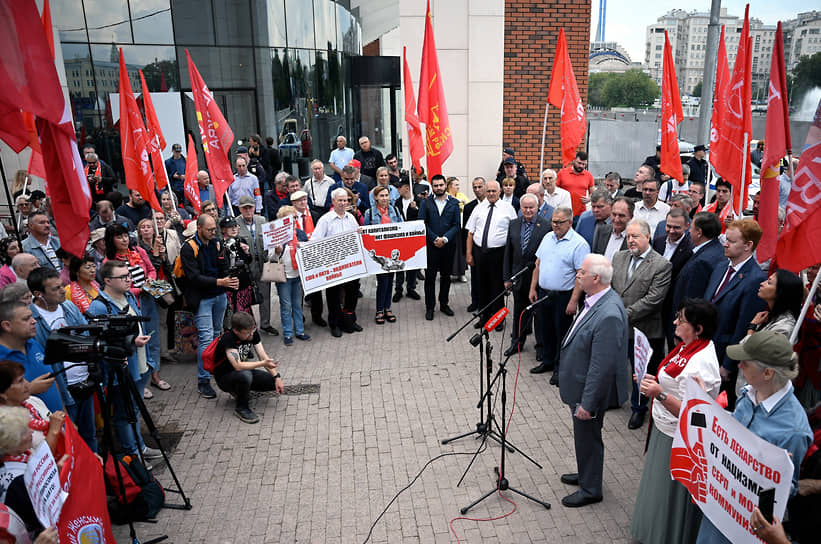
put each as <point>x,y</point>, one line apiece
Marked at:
<point>502,483</point>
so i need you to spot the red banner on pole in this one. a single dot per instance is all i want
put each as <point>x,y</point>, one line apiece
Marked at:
<point>156,141</point>
<point>671,116</point>
<point>564,94</point>
<point>215,133</point>
<point>415,143</point>
<point>432,109</point>
<point>191,187</point>
<point>719,104</point>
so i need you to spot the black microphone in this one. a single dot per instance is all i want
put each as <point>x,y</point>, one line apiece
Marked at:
<point>527,309</point>
<point>517,274</point>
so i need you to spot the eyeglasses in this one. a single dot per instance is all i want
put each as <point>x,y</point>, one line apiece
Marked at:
<point>124,277</point>
<point>559,222</point>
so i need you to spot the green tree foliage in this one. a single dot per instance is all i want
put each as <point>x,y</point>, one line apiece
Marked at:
<point>633,88</point>
<point>697,89</point>
<point>805,76</point>
<point>595,87</point>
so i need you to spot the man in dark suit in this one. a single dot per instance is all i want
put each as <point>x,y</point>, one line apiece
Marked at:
<point>594,375</point>
<point>599,215</point>
<point>612,182</point>
<point>478,187</point>
<point>677,248</point>
<point>524,235</point>
<point>641,277</point>
<point>733,288</point>
<point>440,212</point>
<point>707,253</point>
<point>608,239</point>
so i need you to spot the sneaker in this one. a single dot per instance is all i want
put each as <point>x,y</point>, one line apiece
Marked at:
<point>288,341</point>
<point>246,415</point>
<point>151,453</point>
<point>413,294</point>
<point>304,337</point>
<point>206,391</point>
<point>270,330</point>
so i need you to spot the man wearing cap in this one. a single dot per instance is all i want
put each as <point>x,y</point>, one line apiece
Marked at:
<point>509,167</point>
<point>305,221</point>
<point>340,157</point>
<point>250,228</point>
<point>254,166</point>
<point>348,181</point>
<point>768,406</point>
<point>245,184</point>
<point>520,169</point>
<point>698,164</point>
<point>318,187</point>
<point>175,168</point>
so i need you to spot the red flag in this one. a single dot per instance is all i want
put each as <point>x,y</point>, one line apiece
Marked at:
<point>564,94</point>
<point>671,116</point>
<point>719,103</point>
<point>417,146</point>
<point>738,122</point>
<point>192,191</point>
<point>215,133</point>
<point>432,109</point>
<point>36,166</point>
<point>799,245</point>
<point>134,142</point>
<point>84,517</point>
<point>778,144</point>
<point>156,141</point>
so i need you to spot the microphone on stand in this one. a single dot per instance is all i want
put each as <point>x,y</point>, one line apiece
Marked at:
<point>497,318</point>
<point>527,309</point>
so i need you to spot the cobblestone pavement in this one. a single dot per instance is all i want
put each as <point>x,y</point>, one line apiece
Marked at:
<point>320,467</point>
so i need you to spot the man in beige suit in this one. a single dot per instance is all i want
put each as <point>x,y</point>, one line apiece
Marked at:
<point>642,277</point>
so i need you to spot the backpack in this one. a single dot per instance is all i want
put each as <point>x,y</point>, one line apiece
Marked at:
<point>209,361</point>
<point>144,496</point>
<point>179,271</point>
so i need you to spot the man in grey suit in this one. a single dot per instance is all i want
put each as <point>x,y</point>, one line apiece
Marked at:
<point>250,228</point>
<point>641,277</point>
<point>608,239</point>
<point>593,375</point>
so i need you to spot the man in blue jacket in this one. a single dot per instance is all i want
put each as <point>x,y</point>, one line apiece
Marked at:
<point>440,212</point>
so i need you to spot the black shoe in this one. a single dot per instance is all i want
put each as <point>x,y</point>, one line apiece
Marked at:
<point>206,391</point>
<point>472,307</point>
<point>500,327</point>
<point>397,296</point>
<point>636,420</point>
<point>413,294</point>
<point>429,314</point>
<point>319,322</point>
<point>576,500</point>
<point>359,294</point>
<point>477,325</point>
<point>554,379</point>
<point>246,415</point>
<point>570,479</point>
<point>445,309</point>
<point>541,369</point>
<point>539,356</point>
<point>357,327</point>
<point>512,350</point>
<point>420,275</point>
<point>270,330</point>
<point>336,332</point>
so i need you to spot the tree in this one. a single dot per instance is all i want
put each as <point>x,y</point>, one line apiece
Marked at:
<point>805,76</point>
<point>633,88</point>
<point>595,88</point>
<point>697,89</point>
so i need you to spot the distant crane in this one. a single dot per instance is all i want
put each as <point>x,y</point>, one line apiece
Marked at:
<point>602,16</point>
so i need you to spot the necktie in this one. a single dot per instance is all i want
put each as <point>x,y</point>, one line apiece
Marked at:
<point>633,266</point>
<point>730,272</point>
<point>527,230</point>
<point>487,227</point>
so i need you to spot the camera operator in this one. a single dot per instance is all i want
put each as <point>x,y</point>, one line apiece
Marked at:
<point>250,230</point>
<point>238,256</point>
<point>114,299</point>
<point>52,311</point>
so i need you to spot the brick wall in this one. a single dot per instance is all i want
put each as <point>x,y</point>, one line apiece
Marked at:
<point>531,30</point>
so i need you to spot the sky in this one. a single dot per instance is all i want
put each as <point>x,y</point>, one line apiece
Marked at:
<point>627,20</point>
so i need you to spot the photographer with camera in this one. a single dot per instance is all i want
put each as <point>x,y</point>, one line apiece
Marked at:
<point>116,299</point>
<point>238,256</point>
<point>250,230</point>
<point>52,311</point>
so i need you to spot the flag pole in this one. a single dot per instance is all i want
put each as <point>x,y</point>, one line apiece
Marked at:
<point>20,216</point>
<point>790,166</point>
<point>544,129</point>
<point>804,308</point>
<point>11,205</point>
<point>742,189</point>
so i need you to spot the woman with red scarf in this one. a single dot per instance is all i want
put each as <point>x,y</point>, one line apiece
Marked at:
<point>664,511</point>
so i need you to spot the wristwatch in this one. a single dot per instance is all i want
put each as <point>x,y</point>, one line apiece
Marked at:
<point>661,397</point>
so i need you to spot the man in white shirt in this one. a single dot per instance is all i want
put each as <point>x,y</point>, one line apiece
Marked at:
<point>673,187</point>
<point>487,236</point>
<point>245,184</point>
<point>554,196</point>
<point>317,187</point>
<point>332,223</point>
<point>651,209</point>
<point>340,157</point>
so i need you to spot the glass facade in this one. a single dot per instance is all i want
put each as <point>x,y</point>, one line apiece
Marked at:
<point>279,68</point>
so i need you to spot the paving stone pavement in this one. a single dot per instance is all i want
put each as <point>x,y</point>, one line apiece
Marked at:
<point>320,467</point>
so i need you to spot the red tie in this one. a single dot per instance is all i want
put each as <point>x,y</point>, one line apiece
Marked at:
<point>730,272</point>
<point>292,245</point>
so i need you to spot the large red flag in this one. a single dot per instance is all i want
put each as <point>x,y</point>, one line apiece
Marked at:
<point>737,124</point>
<point>777,137</point>
<point>432,109</point>
<point>36,166</point>
<point>134,142</point>
<point>191,189</point>
<point>564,94</point>
<point>156,141</point>
<point>415,143</point>
<point>719,103</point>
<point>84,517</point>
<point>671,116</point>
<point>799,245</point>
<point>215,133</point>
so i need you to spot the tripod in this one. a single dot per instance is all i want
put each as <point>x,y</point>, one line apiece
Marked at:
<point>502,483</point>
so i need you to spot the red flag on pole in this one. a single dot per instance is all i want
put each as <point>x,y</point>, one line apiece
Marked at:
<point>432,109</point>
<point>671,116</point>
<point>719,103</point>
<point>134,142</point>
<point>415,143</point>
<point>190,187</point>
<point>737,122</point>
<point>36,166</point>
<point>84,516</point>
<point>777,136</point>
<point>564,94</point>
<point>156,141</point>
<point>799,245</point>
<point>215,133</point>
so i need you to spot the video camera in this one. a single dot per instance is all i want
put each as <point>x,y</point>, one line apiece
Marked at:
<point>105,337</point>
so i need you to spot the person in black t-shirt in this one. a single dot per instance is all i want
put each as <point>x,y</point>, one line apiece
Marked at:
<point>235,374</point>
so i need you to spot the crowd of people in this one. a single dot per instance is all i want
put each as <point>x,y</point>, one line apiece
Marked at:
<point>586,263</point>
